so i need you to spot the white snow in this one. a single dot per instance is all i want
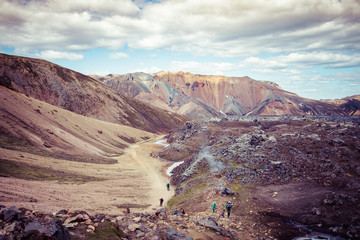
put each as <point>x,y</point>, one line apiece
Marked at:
<point>168,171</point>
<point>162,142</point>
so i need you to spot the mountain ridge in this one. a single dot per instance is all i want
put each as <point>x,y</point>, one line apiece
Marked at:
<point>81,94</point>
<point>247,96</point>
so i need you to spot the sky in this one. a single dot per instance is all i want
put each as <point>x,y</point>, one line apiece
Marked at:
<point>309,47</point>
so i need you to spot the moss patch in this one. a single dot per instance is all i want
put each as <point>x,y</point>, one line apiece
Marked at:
<point>132,205</point>
<point>109,231</point>
<point>28,172</point>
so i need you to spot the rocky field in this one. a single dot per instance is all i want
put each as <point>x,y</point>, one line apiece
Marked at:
<point>286,176</point>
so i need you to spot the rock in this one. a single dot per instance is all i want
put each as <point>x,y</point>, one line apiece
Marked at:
<point>172,234</point>
<point>12,227</point>
<point>70,225</point>
<point>77,218</point>
<point>10,214</point>
<point>91,227</point>
<point>209,222</point>
<point>62,212</point>
<point>337,142</point>
<point>190,125</point>
<point>160,211</point>
<point>88,222</point>
<point>138,219</point>
<point>315,211</point>
<point>133,227</point>
<point>140,234</point>
<point>227,191</point>
<point>52,229</point>
<point>314,137</point>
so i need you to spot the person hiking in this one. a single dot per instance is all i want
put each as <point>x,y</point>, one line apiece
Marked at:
<point>183,211</point>
<point>228,208</point>
<point>222,214</point>
<point>168,186</point>
<point>161,201</point>
<point>213,206</point>
<point>176,212</point>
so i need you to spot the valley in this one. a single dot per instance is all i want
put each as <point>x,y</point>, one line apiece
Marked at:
<point>136,181</point>
<point>80,159</point>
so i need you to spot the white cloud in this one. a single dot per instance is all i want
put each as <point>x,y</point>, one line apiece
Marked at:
<point>302,60</point>
<point>204,68</point>
<point>145,69</point>
<point>48,54</point>
<point>224,28</point>
<point>51,55</point>
<point>118,55</point>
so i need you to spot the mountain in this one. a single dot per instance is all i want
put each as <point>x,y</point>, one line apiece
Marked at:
<point>216,96</point>
<point>350,105</point>
<point>81,94</point>
<point>36,127</point>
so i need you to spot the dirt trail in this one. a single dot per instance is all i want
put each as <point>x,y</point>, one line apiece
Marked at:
<point>137,181</point>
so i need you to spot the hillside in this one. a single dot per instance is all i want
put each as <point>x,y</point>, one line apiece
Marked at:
<point>206,96</point>
<point>81,94</point>
<point>29,125</point>
<point>286,176</point>
<point>350,105</point>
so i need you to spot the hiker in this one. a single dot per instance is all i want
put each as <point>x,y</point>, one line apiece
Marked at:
<point>176,212</point>
<point>168,186</point>
<point>183,212</point>
<point>161,201</point>
<point>213,206</point>
<point>127,210</point>
<point>222,214</point>
<point>228,207</point>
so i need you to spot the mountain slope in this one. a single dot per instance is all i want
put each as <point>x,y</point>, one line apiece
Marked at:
<point>218,95</point>
<point>81,94</point>
<point>43,129</point>
<point>350,105</point>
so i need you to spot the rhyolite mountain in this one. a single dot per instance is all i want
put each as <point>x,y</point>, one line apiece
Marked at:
<point>205,96</point>
<point>81,94</point>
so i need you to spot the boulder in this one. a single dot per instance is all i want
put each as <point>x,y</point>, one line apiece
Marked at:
<point>137,219</point>
<point>209,222</point>
<point>212,224</point>
<point>53,229</point>
<point>172,234</point>
<point>160,211</point>
<point>11,214</point>
<point>227,191</point>
<point>77,218</point>
<point>13,227</point>
<point>133,227</point>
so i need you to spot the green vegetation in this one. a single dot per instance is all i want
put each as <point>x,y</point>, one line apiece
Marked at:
<point>194,187</point>
<point>132,205</point>
<point>191,192</point>
<point>24,171</point>
<point>109,231</point>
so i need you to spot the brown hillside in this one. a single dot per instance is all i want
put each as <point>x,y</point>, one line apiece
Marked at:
<point>350,105</point>
<point>81,94</point>
<point>205,96</point>
<point>43,129</point>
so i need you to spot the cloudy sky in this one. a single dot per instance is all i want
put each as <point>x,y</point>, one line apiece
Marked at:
<point>310,47</point>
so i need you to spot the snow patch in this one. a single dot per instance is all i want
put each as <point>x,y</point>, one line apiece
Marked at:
<point>169,170</point>
<point>162,142</point>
